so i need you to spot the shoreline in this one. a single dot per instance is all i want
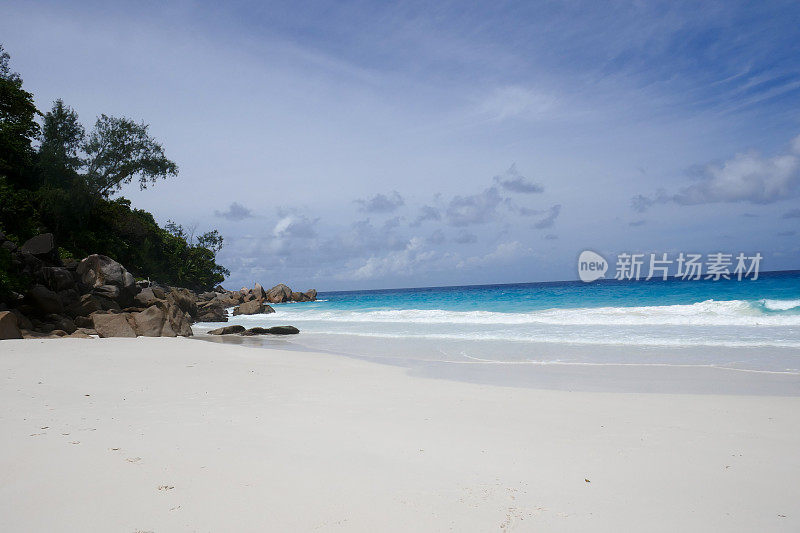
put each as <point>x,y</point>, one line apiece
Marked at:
<point>657,378</point>
<point>155,434</point>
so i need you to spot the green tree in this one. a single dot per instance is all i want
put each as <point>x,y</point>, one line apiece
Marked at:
<point>194,259</point>
<point>18,127</point>
<point>62,139</point>
<point>118,150</point>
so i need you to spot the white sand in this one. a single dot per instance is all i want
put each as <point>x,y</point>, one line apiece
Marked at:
<point>181,435</point>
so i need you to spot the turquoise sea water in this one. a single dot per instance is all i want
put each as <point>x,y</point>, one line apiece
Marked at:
<point>742,324</point>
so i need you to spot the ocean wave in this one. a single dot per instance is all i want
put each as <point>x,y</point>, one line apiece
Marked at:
<point>780,305</point>
<point>706,313</point>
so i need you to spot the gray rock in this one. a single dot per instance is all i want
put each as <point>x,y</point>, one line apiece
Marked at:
<point>85,306</point>
<point>299,297</point>
<point>213,311</point>
<point>275,330</point>
<point>44,301</point>
<point>311,294</point>
<point>259,292</point>
<point>150,322</point>
<point>113,325</point>
<point>229,300</point>
<point>253,307</point>
<point>78,334</point>
<point>111,292</point>
<point>9,326</point>
<point>83,322</point>
<point>61,322</point>
<point>22,320</point>
<point>43,244</point>
<point>177,323</point>
<point>183,299</point>
<point>283,330</point>
<point>68,297</point>
<point>227,330</point>
<point>279,293</point>
<point>147,297</point>
<point>56,278</point>
<point>29,263</point>
<point>98,270</point>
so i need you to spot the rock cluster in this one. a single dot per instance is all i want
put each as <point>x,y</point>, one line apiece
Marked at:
<point>98,296</point>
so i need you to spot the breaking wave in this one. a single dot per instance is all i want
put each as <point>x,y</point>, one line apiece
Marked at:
<point>706,313</point>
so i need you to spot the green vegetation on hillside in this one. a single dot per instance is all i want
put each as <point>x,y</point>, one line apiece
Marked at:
<point>56,177</point>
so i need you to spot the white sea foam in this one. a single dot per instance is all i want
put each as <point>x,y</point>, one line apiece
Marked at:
<point>584,339</point>
<point>707,313</point>
<point>780,305</point>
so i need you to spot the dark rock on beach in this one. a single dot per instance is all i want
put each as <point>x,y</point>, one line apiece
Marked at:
<point>227,330</point>
<point>275,330</point>
<point>150,322</point>
<point>9,326</point>
<point>113,325</point>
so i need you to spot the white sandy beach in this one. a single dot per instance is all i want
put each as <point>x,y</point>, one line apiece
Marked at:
<point>180,435</point>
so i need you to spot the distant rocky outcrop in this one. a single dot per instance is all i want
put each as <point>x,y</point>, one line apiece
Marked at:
<point>98,296</point>
<point>279,293</point>
<point>253,307</point>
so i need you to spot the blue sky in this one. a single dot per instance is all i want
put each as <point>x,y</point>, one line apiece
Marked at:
<point>360,145</point>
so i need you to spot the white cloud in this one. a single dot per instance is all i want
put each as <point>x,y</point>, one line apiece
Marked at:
<point>512,181</point>
<point>295,227</point>
<point>426,212</point>
<point>747,177</point>
<point>382,203</point>
<point>474,209</point>
<point>402,262</point>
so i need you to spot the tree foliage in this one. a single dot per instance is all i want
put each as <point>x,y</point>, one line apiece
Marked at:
<point>65,186</point>
<point>18,127</point>
<point>62,140</point>
<point>118,150</point>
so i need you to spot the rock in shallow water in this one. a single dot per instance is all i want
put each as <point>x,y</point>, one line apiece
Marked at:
<point>275,330</point>
<point>227,330</point>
